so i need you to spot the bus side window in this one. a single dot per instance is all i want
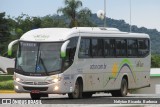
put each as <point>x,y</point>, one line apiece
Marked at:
<point>84,49</point>
<point>121,49</point>
<point>109,47</point>
<point>132,47</point>
<point>71,48</point>
<point>97,47</point>
<point>70,53</point>
<point>143,47</point>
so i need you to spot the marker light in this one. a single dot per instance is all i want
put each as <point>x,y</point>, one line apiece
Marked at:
<point>16,87</point>
<point>56,88</point>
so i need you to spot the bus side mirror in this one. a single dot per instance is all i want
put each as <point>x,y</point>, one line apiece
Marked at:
<point>10,46</point>
<point>64,49</point>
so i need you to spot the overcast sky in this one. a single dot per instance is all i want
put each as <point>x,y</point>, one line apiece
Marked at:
<point>144,12</point>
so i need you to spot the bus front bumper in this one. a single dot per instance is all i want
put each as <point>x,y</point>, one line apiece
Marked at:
<point>54,88</point>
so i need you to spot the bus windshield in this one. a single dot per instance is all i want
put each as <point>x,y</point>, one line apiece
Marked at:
<point>39,58</point>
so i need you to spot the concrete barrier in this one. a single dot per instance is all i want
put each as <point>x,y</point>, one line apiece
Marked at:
<point>6,63</point>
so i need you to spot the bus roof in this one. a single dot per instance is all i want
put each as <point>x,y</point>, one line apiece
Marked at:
<point>62,34</point>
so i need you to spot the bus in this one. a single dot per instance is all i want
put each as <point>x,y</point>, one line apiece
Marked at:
<point>81,61</point>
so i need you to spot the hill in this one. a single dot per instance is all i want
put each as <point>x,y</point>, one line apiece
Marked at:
<point>123,26</point>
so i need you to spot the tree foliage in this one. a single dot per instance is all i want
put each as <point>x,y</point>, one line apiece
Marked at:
<point>25,23</point>
<point>155,61</point>
<point>77,17</point>
<point>84,17</point>
<point>4,33</point>
<point>52,21</point>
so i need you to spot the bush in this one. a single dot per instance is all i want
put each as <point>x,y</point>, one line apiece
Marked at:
<point>6,85</point>
<point>5,78</point>
<point>155,61</point>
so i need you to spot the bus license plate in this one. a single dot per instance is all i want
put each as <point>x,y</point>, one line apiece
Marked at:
<point>35,91</point>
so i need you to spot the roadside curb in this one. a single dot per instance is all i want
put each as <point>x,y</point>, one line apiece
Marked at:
<point>7,91</point>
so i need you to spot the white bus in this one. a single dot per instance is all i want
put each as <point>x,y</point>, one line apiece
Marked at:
<point>81,61</point>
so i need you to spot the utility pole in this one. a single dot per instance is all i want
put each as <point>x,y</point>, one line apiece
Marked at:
<point>130,15</point>
<point>105,14</point>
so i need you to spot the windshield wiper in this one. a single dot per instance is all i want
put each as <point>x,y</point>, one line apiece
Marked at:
<point>39,59</point>
<point>45,69</point>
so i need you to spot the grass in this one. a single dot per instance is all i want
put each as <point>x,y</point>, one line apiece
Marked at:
<point>6,82</point>
<point>5,78</point>
<point>7,85</point>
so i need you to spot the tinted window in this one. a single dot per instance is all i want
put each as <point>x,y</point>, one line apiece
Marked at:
<point>97,47</point>
<point>121,49</point>
<point>143,47</point>
<point>132,47</point>
<point>72,47</point>
<point>109,47</point>
<point>84,50</point>
<point>113,47</point>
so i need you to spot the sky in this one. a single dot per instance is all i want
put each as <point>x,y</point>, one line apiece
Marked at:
<point>144,13</point>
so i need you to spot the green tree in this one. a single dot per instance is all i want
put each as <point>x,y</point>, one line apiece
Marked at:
<point>12,28</point>
<point>84,17</point>
<point>155,61</point>
<point>4,34</point>
<point>52,21</point>
<point>71,10</point>
<point>4,30</point>
<point>36,22</point>
<point>24,23</point>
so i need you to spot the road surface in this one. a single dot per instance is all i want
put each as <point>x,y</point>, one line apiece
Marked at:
<point>101,98</point>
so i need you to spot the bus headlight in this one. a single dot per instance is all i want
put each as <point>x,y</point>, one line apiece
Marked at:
<point>18,80</point>
<point>56,88</point>
<point>54,79</point>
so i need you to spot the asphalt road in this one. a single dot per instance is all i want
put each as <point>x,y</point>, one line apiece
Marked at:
<point>101,98</point>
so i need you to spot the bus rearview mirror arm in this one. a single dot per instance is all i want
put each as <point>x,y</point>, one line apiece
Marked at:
<point>64,48</point>
<point>10,46</point>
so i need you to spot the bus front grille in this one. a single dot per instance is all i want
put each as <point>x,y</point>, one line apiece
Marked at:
<point>36,88</point>
<point>35,83</point>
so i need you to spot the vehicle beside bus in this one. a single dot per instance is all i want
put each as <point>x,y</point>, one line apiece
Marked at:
<point>81,61</point>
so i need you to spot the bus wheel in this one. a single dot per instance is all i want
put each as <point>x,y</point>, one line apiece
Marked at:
<point>77,91</point>
<point>35,96</point>
<point>87,95</point>
<point>124,88</point>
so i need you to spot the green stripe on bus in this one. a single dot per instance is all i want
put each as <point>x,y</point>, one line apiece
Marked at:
<point>154,75</point>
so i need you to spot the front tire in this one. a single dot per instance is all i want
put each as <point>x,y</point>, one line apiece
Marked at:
<point>77,93</point>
